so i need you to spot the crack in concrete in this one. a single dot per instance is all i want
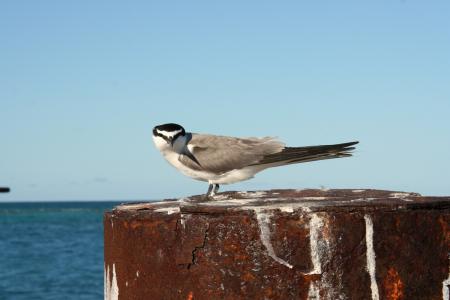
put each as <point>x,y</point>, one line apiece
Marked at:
<point>196,248</point>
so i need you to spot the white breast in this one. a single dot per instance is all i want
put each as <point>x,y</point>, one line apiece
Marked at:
<point>172,155</point>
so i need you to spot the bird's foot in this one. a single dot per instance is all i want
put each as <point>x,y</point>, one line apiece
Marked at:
<point>212,190</point>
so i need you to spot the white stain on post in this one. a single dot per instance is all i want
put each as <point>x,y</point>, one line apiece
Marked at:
<point>317,247</point>
<point>370,255</point>
<point>263,223</point>
<point>257,194</point>
<point>314,291</point>
<point>288,209</point>
<point>446,286</point>
<point>106,284</point>
<point>320,254</point>
<point>169,210</point>
<point>323,246</point>
<point>111,289</point>
<point>183,219</point>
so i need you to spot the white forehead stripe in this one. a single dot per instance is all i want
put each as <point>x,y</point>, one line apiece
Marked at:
<point>168,133</point>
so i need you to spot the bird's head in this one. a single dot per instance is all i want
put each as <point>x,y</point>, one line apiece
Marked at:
<point>167,133</point>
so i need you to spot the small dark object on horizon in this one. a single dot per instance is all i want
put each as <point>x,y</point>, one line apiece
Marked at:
<point>4,189</point>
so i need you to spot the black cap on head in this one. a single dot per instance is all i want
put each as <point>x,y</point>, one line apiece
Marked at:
<point>165,131</point>
<point>169,127</point>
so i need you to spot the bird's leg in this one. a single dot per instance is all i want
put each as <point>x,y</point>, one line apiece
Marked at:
<point>210,190</point>
<point>216,188</point>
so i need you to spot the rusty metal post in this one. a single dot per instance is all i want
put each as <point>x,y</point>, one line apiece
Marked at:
<point>280,244</point>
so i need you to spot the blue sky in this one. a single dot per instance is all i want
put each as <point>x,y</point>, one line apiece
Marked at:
<point>82,83</point>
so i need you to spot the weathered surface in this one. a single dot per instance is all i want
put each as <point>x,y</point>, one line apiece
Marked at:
<point>280,244</point>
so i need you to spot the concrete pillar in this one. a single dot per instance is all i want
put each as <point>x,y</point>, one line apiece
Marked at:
<point>280,244</point>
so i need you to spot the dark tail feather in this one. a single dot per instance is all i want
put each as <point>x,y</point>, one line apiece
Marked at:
<point>291,155</point>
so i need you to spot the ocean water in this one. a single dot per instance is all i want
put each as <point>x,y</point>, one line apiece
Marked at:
<point>52,250</point>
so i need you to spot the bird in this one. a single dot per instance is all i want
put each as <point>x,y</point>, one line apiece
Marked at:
<point>224,159</point>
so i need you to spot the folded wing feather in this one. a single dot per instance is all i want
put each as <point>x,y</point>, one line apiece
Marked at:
<point>221,154</point>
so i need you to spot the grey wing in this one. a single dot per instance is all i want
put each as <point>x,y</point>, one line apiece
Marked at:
<point>220,154</point>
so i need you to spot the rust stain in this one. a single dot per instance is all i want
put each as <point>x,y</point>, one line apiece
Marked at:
<point>397,224</point>
<point>151,225</point>
<point>248,277</point>
<point>445,229</point>
<point>326,230</point>
<point>240,257</point>
<point>311,277</point>
<point>246,221</point>
<point>268,292</point>
<point>229,247</point>
<point>190,296</point>
<point>135,224</point>
<point>394,285</point>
